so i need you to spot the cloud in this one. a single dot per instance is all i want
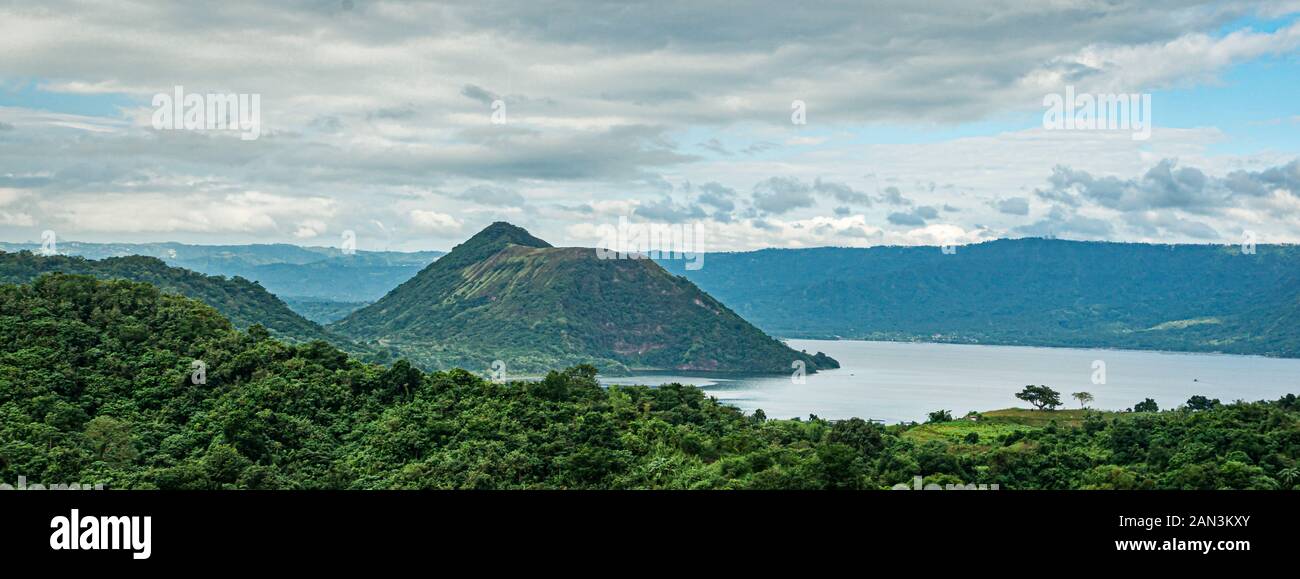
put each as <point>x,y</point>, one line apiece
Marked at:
<point>1013,206</point>
<point>759,147</point>
<point>249,211</point>
<point>309,229</point>
<point>892,196</point>
<point>717,196</point>
<point>397,113</point>
<point>716,146</point>
<point>1169,202</point>
<point>1156,224</point>
<point>1189,56</point>
<point>910,219</point>
<point>491,195</point>
<point>917,216</point>
<point>841,192</point>
<point>376,106</point>
<point>665,210</point>
<point>1064,223</point>
<point>479,94</point>
<point>800,141</point>
<point>14,219</point>
<point>10,196</point>
<point>1167,186</point>
<point>778,195</point>
<point>926,212</point>
<point>1258,184</point>
<point>435,222</point>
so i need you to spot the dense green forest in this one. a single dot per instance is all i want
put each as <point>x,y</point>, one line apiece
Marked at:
<point>245,302</point>
<point>98,385</point>
<point>313,275</point>
<point>1034,292</point>
<point>323,311</point>
<point>506,295</point>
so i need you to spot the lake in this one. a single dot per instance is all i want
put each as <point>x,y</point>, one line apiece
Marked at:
<point>896,381</point>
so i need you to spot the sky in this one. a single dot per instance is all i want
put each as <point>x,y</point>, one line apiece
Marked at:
<point>412,125</point>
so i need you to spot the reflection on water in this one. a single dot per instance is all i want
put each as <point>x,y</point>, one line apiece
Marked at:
<point>894,381</point>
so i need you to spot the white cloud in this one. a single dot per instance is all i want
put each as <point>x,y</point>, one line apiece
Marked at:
<point>435,222</point>
<point>309,229</point>
<point>10,196</point>
<point>117,212</point>
<point>381,113</point>
<point>16,219</point>
<point>1188,58</point>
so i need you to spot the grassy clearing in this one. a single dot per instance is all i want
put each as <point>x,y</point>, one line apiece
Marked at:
<point>997,423</point>
<point>958,430</point>
<point>1041,418</point>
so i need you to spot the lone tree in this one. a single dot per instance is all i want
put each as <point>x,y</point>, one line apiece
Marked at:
<point>940,416</point>
<point>1199,402</point>
<point>1083,397</point>
<point>1040,396</point>
<point>1147,405</point>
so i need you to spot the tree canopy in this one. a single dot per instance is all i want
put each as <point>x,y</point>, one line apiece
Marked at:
<point>1042,397</point>
<point>96,387</point>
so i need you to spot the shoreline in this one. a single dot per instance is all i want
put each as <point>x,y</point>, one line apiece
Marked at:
<point>1042,347</point>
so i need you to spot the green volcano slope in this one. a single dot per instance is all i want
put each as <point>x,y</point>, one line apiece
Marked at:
<point>506,295</point>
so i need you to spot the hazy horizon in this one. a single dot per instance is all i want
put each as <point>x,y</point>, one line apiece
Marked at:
<point>37,243</point>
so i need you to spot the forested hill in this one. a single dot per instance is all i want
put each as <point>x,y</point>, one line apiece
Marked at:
<point>244,302</point>
<point>506,295</point>
<point>97,387</point>
<point>1025,291</point>
<point>319,275</point>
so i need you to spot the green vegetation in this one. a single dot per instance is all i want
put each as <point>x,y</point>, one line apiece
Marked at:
<point>323,311</point>
<point>246,303</point>
<point>313,274</point>
<point>1033,292</point>
<point>961,430</point>
<point>506,295</point>
<point>96,387</point>
<point>939,416</point>
<point>1083,398</point>
<point>1040,396</point>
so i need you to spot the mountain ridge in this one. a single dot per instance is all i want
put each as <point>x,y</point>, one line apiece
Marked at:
<point>1030,291</point>
<point>244,302</point>
<point>506,295</point>
<point>293,273</point>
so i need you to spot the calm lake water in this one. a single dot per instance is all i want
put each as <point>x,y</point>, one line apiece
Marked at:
<point>895,382</point>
